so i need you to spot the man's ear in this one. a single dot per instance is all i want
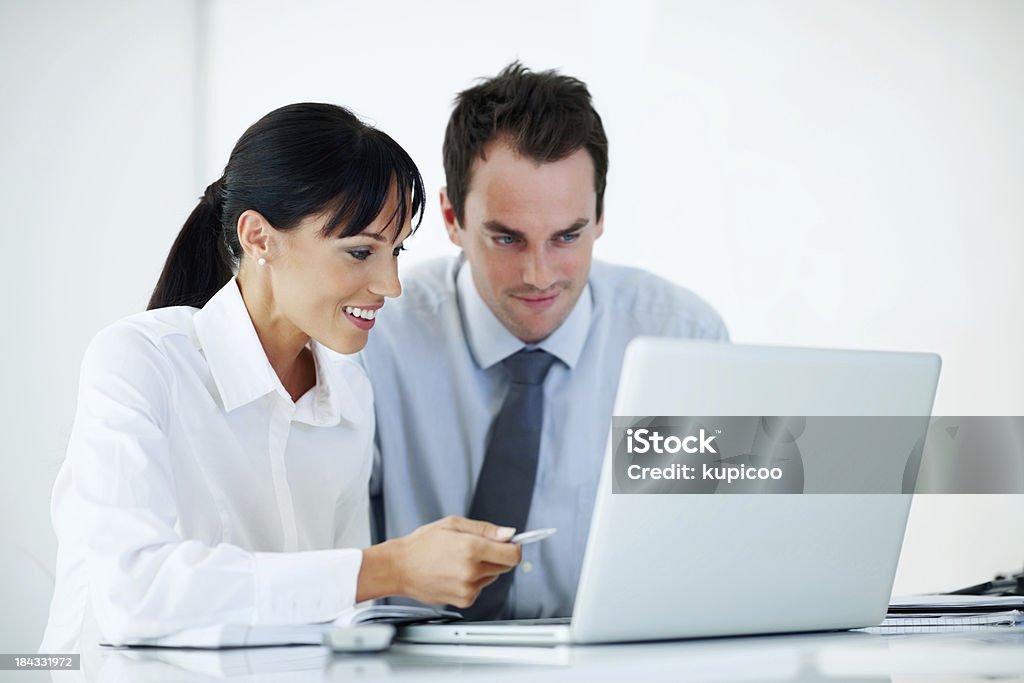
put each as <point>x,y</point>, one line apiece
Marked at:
<point>451,223</point>
<point>254,234</point>
<point>599,226</point>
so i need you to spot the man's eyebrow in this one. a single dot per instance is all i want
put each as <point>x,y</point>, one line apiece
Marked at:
<point>578,225</point>
<point>496,226</point>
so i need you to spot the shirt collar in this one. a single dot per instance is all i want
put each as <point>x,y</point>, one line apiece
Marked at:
<point>242,372</point>
<point>333,399</point>
<point>489,340</point>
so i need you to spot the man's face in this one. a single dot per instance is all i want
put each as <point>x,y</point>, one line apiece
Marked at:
<point>528,234</point>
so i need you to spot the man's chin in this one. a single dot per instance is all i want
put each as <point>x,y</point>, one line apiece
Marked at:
<point>535,330</point>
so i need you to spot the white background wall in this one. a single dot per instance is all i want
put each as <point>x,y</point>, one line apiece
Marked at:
<point>98,164</point>
<point>827,174</point>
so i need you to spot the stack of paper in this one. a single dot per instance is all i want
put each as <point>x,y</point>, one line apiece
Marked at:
<point>955,604</point>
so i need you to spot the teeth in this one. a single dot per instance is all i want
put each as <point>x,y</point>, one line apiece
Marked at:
<point>365,314</point>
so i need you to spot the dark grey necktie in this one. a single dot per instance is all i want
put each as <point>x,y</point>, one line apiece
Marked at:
<point>504,488</point>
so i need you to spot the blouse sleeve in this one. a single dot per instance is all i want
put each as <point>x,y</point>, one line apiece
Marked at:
<point>145,579</point>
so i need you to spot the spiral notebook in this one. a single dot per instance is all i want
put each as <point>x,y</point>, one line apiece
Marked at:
<point>217,636</point>
<point>943,613</point>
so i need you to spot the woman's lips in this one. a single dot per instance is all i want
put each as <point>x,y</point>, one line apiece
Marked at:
<point>361,323</point>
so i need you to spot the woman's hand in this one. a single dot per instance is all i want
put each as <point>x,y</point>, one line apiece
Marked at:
<point>448,561</point>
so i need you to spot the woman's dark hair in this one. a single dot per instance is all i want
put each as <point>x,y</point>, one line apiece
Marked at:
<point>546,116</point>
<point>297,161</point>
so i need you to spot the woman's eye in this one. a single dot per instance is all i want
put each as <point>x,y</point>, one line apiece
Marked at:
<point>360,254</point>
<point>398,250</point>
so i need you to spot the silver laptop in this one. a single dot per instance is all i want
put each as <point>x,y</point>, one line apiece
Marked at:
<point>663,567</point>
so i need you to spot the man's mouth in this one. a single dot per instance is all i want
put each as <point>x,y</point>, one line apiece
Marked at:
<point>537,302</point>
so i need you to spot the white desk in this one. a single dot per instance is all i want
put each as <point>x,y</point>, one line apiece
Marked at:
<point>829,657</point>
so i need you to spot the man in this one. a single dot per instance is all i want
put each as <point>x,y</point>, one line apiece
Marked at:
<point>495,373</point>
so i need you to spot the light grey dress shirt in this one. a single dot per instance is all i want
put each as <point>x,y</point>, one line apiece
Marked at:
<point>434,358</point>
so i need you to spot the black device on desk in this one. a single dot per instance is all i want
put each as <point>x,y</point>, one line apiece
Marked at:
<point>1002,584</point>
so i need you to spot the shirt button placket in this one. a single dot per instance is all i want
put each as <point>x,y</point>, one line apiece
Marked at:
<point>280,424</point>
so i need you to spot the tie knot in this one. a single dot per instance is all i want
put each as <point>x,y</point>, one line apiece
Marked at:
<point>528,367</point>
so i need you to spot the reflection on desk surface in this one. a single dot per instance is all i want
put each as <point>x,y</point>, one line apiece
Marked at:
<point>828,657</point>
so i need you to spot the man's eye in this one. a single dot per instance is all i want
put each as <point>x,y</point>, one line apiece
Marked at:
<point>398,250</point>
<point>360,254</point>
<point>568,238</point>
<point>505,240</point>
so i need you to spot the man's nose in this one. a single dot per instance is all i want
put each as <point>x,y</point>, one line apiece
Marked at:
<point>537,270</point>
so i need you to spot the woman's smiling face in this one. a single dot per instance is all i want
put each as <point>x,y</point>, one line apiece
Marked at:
<point>332,288</point>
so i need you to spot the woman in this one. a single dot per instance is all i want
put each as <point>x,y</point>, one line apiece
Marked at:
<point>218,465</point>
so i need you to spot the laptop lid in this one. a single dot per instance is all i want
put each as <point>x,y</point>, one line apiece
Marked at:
<point>691,565</point>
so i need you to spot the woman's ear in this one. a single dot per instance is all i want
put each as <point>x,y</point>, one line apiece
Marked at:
<point>254,234</point>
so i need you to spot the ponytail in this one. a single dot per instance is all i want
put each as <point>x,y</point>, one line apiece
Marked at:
<point>198,264</point>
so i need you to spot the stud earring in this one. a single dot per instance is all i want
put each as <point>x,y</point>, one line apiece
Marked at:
<point>261,261</point>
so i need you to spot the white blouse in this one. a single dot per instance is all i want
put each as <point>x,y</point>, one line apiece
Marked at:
<point>196,492</point>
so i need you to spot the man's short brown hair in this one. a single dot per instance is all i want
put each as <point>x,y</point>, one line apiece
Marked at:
<point>545,116</point>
